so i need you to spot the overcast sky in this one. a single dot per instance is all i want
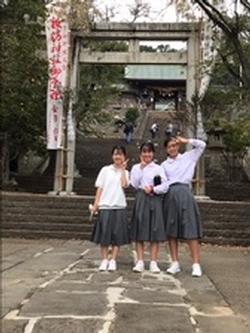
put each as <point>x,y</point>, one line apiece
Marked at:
<point>158,11</point>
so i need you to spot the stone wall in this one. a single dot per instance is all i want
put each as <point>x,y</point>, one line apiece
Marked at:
<point>42,216</point>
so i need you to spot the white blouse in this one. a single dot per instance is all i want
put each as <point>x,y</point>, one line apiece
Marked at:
<point>109,180</point>
<point>181,169</point>
<point>144,177</point>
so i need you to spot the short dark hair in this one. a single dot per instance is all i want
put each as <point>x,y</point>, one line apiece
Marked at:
<point>119,149</point>
<point>147,146</point>
<point>168,139</point>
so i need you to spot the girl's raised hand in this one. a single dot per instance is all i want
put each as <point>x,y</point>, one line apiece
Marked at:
<point>181,140</point>
<point>125,164</point>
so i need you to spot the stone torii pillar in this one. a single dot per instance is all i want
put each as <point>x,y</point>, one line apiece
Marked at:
<point>65,158</point>
<point>192,88</point>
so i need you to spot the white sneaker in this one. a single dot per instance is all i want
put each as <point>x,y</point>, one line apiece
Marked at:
<point>174,268</point>
<point>104,265</point>
<point>196,270</point>
<point>112,265</point>
<point>139,267</point>
<point>153,267</point>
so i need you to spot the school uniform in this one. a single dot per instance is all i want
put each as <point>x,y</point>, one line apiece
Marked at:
<point>111,226</point>
<point>147,218</point>
<point>181,212</point>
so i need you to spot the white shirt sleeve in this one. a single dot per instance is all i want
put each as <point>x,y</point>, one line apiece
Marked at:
<point>135,176</point>
<point>100,178</point>
<point>196,152</point>
<point>164,186</point>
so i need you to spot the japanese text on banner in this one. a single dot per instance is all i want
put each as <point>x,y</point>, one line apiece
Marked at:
<point>57,31</point>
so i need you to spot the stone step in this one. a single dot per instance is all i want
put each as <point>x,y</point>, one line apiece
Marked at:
<point>73,227</point>
<point>229,225</point>
<point>210,206</point>
<point>226,241</point>
<point>214,233</point>
<point>27,196</point>
<point>55,204</point>
<point>216,211</point>
<point>40,218</point>
<point>76,214</point>
<point>33,216</point>
<point>225,218</point>
<point>34,211</point>
<point>83,216</point>
<point>87,226</point>
<point>9,217</point>
<point>224,206</point>
<point>46,204</point>
<point>38,234</point>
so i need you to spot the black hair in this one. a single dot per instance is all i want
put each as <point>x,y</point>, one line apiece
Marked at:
<point>119,149</point>
<point>147,146</point>
<point>168,139</point>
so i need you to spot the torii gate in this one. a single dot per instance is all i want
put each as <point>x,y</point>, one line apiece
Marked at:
<point>133,33</point>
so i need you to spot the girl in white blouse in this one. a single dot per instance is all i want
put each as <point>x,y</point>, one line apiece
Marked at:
<point>181,212</point>
<point>147,224</point>
<point>111,227</point>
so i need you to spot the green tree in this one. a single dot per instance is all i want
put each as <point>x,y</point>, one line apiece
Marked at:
<point>98,86</point>
<point>24,76</point>
<point>131,115</point>
<point>224,106</point>
<point>237,143</point>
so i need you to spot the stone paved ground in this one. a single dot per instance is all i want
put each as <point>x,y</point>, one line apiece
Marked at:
<point>53,286</point>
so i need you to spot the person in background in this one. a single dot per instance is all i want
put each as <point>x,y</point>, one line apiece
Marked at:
<point>118,122</point>
<point>153,130</point>
<point>128,131</point>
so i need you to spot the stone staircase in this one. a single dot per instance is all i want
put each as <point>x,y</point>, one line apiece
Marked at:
<point>162,118</point>
<point>93,153</point>
<point>41,216</point>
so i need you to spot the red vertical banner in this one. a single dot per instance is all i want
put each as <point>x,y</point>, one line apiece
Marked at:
<point>58,39</point>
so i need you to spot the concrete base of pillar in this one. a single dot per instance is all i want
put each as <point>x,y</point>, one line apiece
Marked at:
<point>52,193</point>
<point>61,193</point>
<point>65,193</point>
<point>202,198</point>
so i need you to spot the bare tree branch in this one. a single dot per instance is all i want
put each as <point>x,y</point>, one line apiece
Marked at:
<point>237,17</point>
<point>139,9</point>
<point>231,31</point>
<point>214,14</point>
<point>246,4</point>
<point>228,66</point>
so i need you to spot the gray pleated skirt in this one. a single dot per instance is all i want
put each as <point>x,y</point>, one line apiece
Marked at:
<point>147,219</point>
<point>181,213</point>
<point>111,227</point>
